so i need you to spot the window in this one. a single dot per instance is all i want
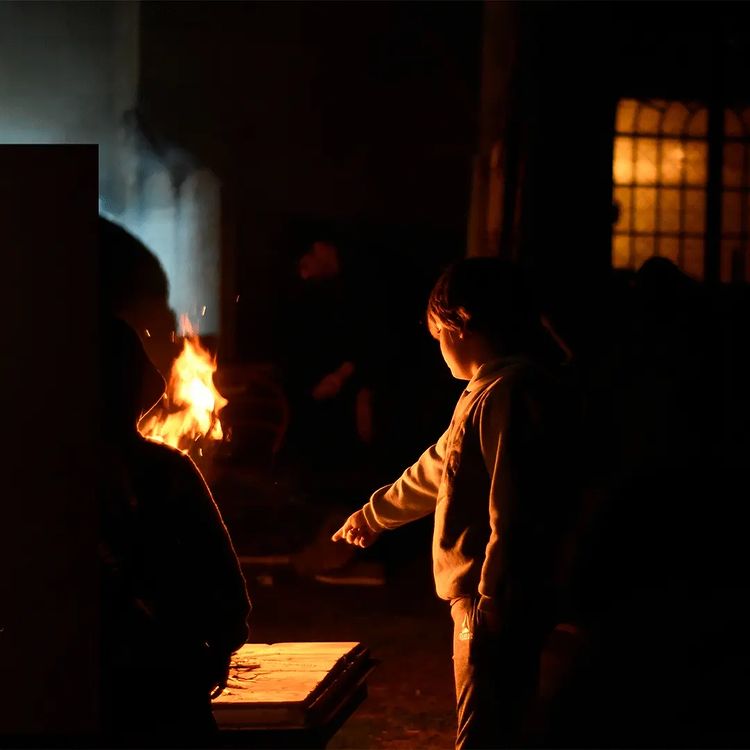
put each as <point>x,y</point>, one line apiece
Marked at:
<point>735,198</point>
<point>661,185</point>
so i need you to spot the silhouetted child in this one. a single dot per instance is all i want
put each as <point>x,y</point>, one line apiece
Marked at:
<point>175,604</point>
<point>497,483</point>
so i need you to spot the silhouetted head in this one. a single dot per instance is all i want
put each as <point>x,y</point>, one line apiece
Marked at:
<point>130,273</point>
<point>661,287</point>
<point>660,274</point>
<point>486,296</point>
<point>130,384</point>
<point>134,287</point>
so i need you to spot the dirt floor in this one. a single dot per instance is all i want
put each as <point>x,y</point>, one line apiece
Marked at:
<point>408,630</point>
<point>410,701</point>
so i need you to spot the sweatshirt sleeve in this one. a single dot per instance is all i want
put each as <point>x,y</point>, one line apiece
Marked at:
<point>413,495</point>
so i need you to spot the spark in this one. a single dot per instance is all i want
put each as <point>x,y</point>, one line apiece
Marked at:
<point>148,333</point>
<point>203,311</point>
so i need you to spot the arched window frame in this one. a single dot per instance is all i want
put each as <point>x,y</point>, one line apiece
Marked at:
<point>646,224</point>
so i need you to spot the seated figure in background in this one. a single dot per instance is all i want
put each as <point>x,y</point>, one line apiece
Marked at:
<point>328,380</point>
<point>327,369</point>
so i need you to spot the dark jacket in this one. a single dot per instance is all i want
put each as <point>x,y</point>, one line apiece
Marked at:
<point>174,602</point>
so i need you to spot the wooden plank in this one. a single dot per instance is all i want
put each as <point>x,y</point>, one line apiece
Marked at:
<point>290,685</point>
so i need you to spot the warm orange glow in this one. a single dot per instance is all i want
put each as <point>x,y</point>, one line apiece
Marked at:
<point>660,175</point>
<point>192,403</point>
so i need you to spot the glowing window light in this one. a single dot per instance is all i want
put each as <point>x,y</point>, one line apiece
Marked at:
<point>660,175</point>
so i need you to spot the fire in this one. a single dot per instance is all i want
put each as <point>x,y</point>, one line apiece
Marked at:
<point>191,407</point>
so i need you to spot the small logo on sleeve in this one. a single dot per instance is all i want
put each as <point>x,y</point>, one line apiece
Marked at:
<point>465,634</point>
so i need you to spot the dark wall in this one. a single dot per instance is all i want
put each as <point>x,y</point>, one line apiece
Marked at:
<point>362,113</point>
<point>572,61</point>
<point>564,123</point>
<point>577,60</point>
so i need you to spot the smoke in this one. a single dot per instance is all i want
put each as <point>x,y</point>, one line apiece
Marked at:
<point>172,205</point>
<point>68,74</point>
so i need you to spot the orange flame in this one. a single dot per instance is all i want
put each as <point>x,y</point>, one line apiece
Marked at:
<point>192,401</point>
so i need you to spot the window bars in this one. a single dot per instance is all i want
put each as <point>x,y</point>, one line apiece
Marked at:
<point>735,198</point>
<point>661,186</point>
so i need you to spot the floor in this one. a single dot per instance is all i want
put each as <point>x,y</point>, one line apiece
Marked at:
<point>408,630</point>
<point>410,701</point>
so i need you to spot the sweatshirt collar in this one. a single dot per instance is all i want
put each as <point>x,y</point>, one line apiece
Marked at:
<point>491,371</point>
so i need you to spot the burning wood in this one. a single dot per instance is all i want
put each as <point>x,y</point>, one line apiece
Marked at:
<point>189,412</point>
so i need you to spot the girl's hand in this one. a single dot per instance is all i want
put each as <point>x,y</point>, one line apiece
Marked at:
<point>356,531</point>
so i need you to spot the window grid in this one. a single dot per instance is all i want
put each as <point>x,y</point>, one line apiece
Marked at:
<point>735,241</point>
<point>643,233</point>
<point>661,187</point>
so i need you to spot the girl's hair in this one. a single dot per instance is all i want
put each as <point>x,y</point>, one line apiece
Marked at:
<point>488,296</point>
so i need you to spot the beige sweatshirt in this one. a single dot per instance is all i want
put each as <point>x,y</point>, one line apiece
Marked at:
<point>487,481</point>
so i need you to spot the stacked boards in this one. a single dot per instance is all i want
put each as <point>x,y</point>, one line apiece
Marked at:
<point>292,687</point>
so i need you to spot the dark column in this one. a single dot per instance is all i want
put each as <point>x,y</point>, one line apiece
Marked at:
<point>48,556</point>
